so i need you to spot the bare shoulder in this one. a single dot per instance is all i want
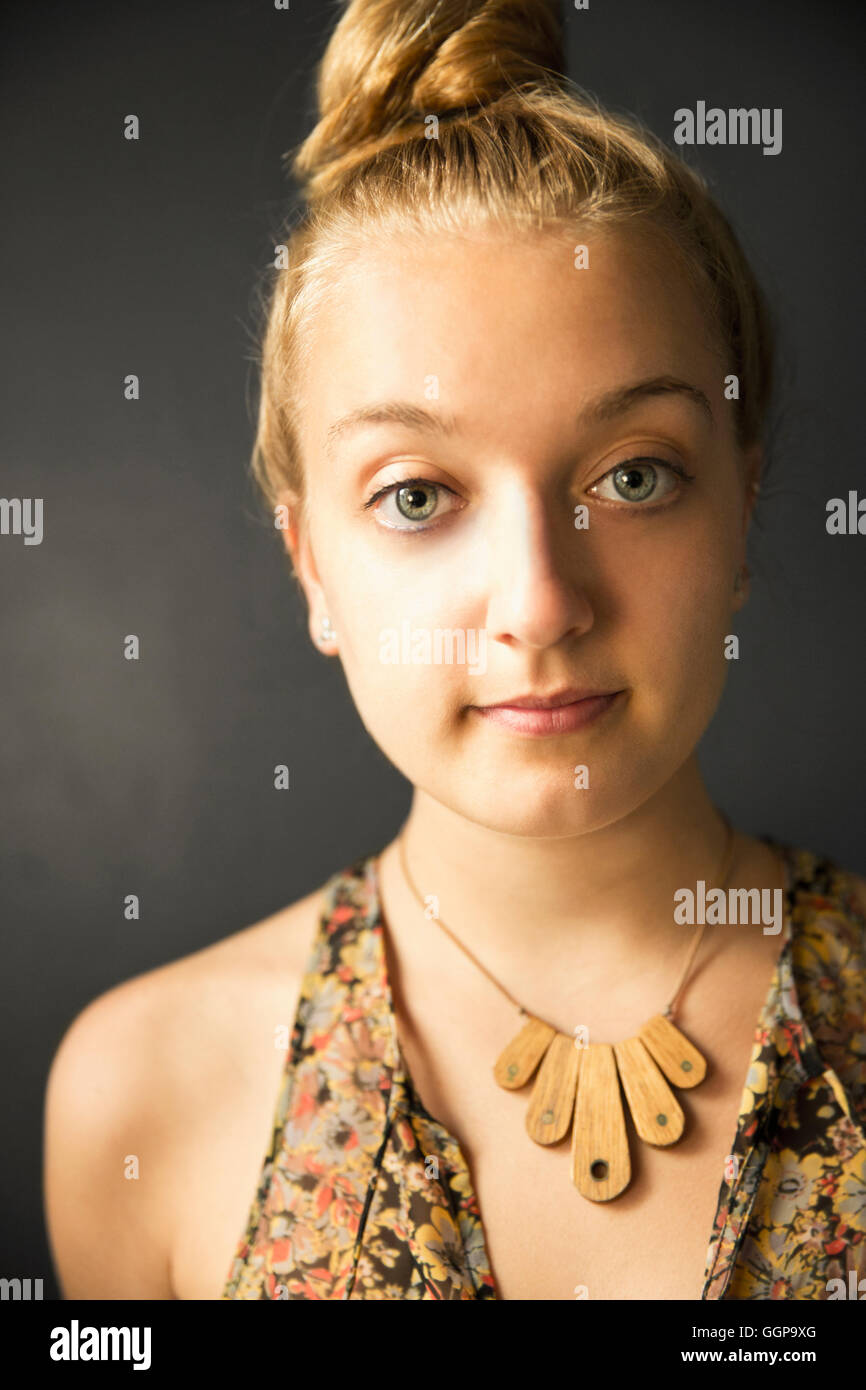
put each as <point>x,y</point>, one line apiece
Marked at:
<point>138,1076</point>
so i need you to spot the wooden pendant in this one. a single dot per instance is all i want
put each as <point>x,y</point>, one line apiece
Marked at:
<point>600,1163</point>
<point>681,1063</point>
<point>552,1105</point>
<point>523,1054</point>
<point>579,1088</point>
<point>654,1109</point>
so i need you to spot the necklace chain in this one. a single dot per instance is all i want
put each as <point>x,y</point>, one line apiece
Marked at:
<point>721,880</point>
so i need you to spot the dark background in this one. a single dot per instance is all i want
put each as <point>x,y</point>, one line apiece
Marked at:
<point>156,777</point>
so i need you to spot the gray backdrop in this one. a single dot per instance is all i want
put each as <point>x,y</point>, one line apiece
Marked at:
<point>156,777</point>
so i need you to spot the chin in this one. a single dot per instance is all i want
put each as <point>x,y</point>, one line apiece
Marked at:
<point>542,807</point>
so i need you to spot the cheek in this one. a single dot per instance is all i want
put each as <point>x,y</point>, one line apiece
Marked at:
<point>406,706</point>
<point>386,619</point>
<point>674,609</point>
<point>396,585</point>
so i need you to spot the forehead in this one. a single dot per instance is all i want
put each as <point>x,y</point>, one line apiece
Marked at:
<point>503,324</point>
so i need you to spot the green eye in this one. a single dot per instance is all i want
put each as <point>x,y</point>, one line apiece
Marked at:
<point>417,501</point>
<point>635,481</point>
<point>641,480</point>
<point>413,505</point>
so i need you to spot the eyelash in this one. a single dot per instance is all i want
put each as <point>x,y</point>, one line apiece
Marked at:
<point>389,488</point>
<point>677,468</point>
<point>408,482</point>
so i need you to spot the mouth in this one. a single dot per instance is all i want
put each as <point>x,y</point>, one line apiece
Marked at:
<point>560,712</point>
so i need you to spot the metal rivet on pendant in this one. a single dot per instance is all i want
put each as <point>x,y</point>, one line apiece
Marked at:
<point>512,1070</point>
<point>598,1169</point>
<point>547,1117</point>
<point>661,1119</point>
<point>686,1066</point>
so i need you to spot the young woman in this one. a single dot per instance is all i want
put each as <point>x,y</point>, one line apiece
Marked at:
<point>514,386</point>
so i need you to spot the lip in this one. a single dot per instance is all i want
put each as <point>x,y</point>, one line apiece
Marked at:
<point>559,713</point>
<point>566,695</point>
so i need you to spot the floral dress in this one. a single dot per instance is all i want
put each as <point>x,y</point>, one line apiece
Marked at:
<point>363,1194</point>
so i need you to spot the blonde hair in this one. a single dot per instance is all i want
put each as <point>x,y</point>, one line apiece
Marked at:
<point>517,146</point>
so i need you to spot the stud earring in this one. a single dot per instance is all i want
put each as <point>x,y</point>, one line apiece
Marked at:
<point>327,632</point>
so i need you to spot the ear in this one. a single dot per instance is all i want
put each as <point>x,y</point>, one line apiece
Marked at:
<point>296,539</point>
<point>753,464</point>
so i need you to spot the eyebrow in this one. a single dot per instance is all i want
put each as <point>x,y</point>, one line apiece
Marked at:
<point>604,407</point>
<point>623,397</point>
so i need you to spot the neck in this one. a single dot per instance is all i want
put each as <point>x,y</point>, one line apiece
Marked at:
<point>524,905</point>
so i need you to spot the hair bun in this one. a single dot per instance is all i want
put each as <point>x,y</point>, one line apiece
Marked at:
<point>393,61</point>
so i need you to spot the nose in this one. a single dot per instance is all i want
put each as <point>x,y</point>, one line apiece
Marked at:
<point>536,571</point>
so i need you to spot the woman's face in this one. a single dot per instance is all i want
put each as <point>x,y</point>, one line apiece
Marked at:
<point>509,375</point>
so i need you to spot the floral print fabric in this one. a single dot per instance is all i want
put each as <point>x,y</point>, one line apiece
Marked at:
<point>363,1194</point>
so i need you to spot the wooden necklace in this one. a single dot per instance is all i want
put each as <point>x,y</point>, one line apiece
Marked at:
<point>580,1083</point>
